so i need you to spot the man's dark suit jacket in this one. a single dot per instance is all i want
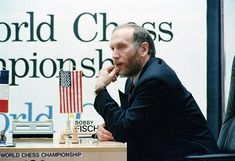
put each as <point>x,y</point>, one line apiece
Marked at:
<point>161,120</point>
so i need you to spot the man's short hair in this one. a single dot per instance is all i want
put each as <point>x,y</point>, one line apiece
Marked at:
<point>140,35</point>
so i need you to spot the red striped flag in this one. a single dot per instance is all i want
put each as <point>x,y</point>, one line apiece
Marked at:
<point>4,90</point>
<point>70,91</point>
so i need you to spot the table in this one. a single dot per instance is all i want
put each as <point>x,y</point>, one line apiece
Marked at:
<point>48,149</point>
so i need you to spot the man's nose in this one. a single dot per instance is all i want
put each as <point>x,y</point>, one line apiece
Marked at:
<point>115,54</point>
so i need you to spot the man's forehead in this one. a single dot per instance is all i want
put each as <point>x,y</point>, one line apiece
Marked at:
<point>124,30</point>
<point>122,35</point>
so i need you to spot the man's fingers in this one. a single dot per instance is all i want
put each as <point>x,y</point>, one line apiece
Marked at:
<point>103,134</point>
<point>106,132</point>
<point>109,68</point>
<point>114,72</point>
<point>106,76</point>
<point>103,137</point>
<point>102,129</point>
<point>112,69</point>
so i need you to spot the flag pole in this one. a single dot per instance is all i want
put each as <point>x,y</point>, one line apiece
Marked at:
<point>71,80</point>
<point>68,127</point>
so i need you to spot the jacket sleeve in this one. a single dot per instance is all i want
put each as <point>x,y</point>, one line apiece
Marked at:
<point>148,98</point>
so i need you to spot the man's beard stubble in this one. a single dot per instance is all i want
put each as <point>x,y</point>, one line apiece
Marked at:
<point>131,70</point>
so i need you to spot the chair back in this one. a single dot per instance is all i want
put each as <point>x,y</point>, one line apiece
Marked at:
<point>226,141</point>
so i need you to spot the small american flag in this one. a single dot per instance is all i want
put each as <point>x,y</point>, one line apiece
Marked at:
<point>70,91</point>
<point>4,90</point>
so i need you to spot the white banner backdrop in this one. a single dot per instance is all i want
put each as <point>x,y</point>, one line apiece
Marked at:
<point>38,38</point>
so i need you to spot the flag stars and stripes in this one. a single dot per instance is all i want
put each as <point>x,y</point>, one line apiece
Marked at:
<point>70,91</point>
<point>65,79</point>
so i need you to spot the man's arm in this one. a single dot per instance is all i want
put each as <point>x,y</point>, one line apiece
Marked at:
<point>146,107</point>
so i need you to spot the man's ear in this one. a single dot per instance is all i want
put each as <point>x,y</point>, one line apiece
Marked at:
<point>144,49</point>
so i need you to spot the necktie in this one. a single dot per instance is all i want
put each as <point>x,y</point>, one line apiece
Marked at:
<point>132,85</point>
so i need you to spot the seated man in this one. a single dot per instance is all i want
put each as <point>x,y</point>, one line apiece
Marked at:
<point>159,119</point>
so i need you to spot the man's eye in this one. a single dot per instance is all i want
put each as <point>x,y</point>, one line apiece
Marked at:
<point>121,46</point>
